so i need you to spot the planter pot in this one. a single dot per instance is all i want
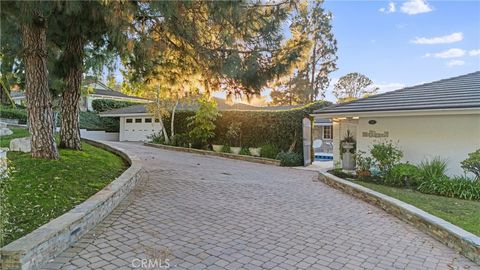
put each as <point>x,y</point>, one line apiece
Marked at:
<point>255,151</point>
<point>235,150</point>
<point>217,147</point>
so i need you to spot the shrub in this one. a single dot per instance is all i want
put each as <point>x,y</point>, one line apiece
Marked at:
<point>244,151</point>
<point>14,113</point>
<point>226,149</point>
<point>386,156</point>
<point>203,122</point>
<point>157,138</point>
<point>101,105</point>
<point>432,169</point>
<point>364,164</point>
<point>91,120</point>
<point>457,187</point>
<point>182,140</point>
<point>472,164</point>
<point>289,159</point>
<point>269,151</point>
<point>402,175</point>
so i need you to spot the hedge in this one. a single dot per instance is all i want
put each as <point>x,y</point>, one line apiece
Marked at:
<point>258,128</point>
<point>101,105</point>
<point>92,121</point>
<point>14,113</point>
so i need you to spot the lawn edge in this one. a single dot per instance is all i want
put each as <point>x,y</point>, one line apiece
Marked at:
<point>49,240</point>
<point>464,242</point>
<point>261,160</point>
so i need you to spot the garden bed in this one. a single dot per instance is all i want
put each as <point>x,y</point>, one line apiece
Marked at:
<point>212,153</point>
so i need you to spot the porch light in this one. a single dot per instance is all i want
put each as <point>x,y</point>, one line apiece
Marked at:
<point>355,118</point>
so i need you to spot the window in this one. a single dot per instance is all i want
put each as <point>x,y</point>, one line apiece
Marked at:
<point>148,120</point>
<point>129,120</point>
<point>138,120</point>
<point>327,132</point>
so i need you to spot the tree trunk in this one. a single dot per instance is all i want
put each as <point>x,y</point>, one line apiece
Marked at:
<point>39,98</point>
<point>172,120</point>
<point>312,83</point>
<point>70,106</point>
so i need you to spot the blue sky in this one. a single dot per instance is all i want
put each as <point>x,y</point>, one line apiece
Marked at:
<point>404,43</point>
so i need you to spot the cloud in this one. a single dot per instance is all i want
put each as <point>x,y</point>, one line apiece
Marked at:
<point>455,37</point>
<point>451,53</point>
<point>453,63</point>
<point>412,7</point>
<point>390,9</point>
<point>387,87</point>
<point>474,52</point>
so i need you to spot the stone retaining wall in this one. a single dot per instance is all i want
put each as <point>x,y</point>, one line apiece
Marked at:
<point>38,247</point>
<point>212,153</point>
<point>464,242</point>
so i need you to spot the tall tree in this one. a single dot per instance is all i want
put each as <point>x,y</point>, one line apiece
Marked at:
<point>353,86</point>
<point>81,26</point>
<point>309,78</point>
<point>39,98</point>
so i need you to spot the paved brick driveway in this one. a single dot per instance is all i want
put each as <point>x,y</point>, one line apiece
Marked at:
<point>203,212</point>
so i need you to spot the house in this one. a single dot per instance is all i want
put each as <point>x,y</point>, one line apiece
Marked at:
<point>440,118</point>
<point>136,123</point>
<point>98,90</point>
<point>95,90</point>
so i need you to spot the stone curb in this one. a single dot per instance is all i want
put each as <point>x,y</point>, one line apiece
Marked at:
<point>455,237</point>
<point>212,153</point>
<point>43,244</point>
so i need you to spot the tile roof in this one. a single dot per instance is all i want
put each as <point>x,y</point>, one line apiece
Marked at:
<point>222,105</point>
<point>457,92</point>
<point>102,89</point>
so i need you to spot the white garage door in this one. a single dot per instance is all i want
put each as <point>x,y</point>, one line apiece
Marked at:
<point>139,128</point>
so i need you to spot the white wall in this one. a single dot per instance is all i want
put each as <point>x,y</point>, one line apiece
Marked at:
<point>451,137</point>
<point>99,135</point>
<point>137,131</point>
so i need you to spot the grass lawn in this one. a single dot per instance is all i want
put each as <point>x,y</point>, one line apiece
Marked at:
<point>40,190</point>
<point>463,213</point>
<point>17,133</point>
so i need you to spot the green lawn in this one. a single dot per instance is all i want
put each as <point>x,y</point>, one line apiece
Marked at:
<point>40,190</point>
<point>17,133</point>
<point>463,213</point>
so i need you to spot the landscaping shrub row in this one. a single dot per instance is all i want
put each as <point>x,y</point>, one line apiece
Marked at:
<point>14,113</point>
<point>280,129</point>
<point>101,105</point>
<point>383,166</point>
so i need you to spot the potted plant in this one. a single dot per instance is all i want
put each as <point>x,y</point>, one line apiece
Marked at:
<point>217,147</point>
<point>233,136</point>
<point>347,150</point>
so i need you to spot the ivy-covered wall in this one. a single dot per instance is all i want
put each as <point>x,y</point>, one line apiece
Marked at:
<point>258,128</point>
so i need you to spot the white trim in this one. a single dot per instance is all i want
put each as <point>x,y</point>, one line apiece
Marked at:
<point>124,114</point>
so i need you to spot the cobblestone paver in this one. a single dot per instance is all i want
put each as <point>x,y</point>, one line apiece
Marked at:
<point>200,212</point>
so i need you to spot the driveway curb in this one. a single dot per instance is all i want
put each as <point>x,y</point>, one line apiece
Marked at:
<point>38,247</point>
<point>212,153</point>
<point>455,237</point>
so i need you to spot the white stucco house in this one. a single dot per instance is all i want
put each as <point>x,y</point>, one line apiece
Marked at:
<point>95,90</point>
<point>440,118</point>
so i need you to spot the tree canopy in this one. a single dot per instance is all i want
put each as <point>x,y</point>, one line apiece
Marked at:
<point>353,86</point>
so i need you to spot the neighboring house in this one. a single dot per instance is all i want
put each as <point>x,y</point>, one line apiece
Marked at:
<point>97,90</point>
<point>441,119</point>
<point>136,123</point>
<point>18,98</point>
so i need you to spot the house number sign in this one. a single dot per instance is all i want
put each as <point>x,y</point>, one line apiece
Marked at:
<point>374,134</point>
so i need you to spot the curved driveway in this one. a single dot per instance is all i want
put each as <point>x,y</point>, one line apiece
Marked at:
<point>202,212</point>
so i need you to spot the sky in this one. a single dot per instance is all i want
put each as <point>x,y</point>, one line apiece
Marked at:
<point>405,43</point>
